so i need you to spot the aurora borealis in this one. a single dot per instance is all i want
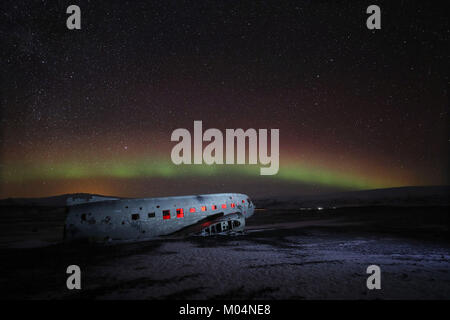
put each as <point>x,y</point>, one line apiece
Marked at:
<point>92,110</point>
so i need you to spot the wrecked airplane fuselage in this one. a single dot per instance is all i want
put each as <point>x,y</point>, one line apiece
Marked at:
<point>136,219</point>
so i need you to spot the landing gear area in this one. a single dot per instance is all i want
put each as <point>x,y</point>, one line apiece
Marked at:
<point>234,223</point>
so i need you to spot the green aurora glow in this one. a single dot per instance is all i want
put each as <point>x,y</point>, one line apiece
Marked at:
<point>148,169</point>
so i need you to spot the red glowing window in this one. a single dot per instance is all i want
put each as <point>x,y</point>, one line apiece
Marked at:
<point>232,205</point>
<point>192,210</point>
<point>224,206</point>
<point>203,208</point>
<point>214,207</point>
<point>166,214</point>
<point>180,213</point>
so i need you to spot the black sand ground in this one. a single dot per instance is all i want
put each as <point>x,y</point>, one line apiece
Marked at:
<point>284,254</point>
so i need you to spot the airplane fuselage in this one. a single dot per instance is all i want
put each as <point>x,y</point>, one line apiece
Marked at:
<point>133,219</point>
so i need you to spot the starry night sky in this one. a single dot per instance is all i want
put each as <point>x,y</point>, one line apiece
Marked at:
<point>92,110</point>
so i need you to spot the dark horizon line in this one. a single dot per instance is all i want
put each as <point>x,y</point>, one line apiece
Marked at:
<point>324,194</point>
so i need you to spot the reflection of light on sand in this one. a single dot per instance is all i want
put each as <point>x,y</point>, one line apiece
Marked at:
<point>297,224</point>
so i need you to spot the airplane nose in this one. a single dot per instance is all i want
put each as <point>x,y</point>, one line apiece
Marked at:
<point>251,210</point>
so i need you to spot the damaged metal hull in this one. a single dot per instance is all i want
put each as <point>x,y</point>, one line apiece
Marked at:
<point>136,219</point>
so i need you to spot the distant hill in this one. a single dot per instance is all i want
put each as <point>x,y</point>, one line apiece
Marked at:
<point>56,201</point>
<point>402,196</point>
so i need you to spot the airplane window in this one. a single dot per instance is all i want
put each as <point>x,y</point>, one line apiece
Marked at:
<point>180,213</point>
<point>204,208</point>
<point>166,214</point>
<point>214,207</point>
<point>192,210</point>
<point>135,216</point>
<point>151,214</point>
<point>83,217</point>
<point>224,206</point>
